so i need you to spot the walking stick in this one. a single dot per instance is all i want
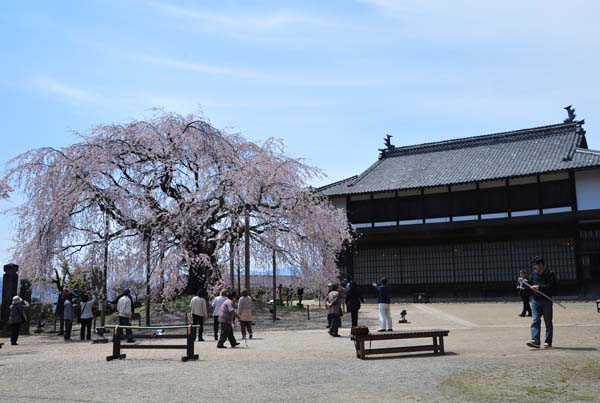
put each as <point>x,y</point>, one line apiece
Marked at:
<point>524,282</point>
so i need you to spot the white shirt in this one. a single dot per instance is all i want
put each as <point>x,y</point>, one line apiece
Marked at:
<point>124,306</point>
<point>217,303</point>
<point>198,306</point>
<point>245,309</point>
<point>86,309</point>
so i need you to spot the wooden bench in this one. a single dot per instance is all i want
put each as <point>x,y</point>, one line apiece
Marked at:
<point>437,335</point>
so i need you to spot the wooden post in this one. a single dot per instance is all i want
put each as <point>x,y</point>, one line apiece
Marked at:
<point>232,264</point>
<point>104,299</point>
<point>247,250</point>
<point>274,285</point>
<point>148,272</point>
<point>308,311</point>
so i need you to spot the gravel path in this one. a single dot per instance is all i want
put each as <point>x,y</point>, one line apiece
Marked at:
<point>487,360</point>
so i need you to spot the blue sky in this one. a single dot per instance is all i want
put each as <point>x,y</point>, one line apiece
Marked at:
<point>329,77</point>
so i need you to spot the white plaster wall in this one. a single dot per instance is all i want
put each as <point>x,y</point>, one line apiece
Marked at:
<point>587,185</point>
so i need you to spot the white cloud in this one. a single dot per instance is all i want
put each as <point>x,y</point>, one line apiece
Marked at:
<point>195,67</point>
<point>476,20</point>
<point>246,22</point>
<point>55,87</point>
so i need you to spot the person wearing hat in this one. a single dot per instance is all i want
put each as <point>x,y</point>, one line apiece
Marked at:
<point>68,316</point>
<point>124,307</point>
<point>16,317</point>
<point>544,280</point>
<point>383,302</point>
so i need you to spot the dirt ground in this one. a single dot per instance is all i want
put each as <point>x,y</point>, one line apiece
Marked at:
<point>294,360</point>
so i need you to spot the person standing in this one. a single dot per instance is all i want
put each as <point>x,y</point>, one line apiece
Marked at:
<point>544,280</point>
<point>289,296</point>
<point>383,302</point>
<point>125,309</point>
<point>68,316</point>
<point>227,316</point>
<point>333,305</point>
<point>354,299</point>
<point>217,304</point>
<point>279,293</point>
<point>244,312</point>
<point>87,316</point>
<point>300,294</point>
<point>525,294</point>
<point>199,312</point>
<point>16,316</point>
<point>59,310</point>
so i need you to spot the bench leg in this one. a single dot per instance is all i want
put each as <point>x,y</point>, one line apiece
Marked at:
<point>442,345</point>
<point>362,350</point>
<point>435,345</point>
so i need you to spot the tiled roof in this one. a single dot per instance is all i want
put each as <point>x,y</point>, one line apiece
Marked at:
<point>494,156</point>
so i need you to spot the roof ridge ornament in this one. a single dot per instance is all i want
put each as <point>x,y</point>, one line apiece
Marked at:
<point>387,142</point>
<point>572,115</point>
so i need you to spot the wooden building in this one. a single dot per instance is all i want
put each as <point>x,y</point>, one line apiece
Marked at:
<point>462,217</point>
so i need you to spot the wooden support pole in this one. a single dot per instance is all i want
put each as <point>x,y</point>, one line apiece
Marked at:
<point>274,285</point>
<point>148,273</point>
<point>247,250</point>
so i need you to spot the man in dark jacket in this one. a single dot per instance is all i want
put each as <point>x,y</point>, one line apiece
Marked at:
<point>353,300</point>
<point>524,293</point>
<point>544,280</point>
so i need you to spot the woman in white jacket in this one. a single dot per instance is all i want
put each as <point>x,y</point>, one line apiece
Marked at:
<point>199,312</point>
<point>244,311</point>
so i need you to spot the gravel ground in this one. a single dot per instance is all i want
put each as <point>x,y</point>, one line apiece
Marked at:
<point>486,360</point>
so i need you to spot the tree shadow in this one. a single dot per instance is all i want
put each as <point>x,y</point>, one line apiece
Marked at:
<point>575,348</point>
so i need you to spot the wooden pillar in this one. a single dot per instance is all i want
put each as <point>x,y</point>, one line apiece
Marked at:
<point>104,298</point>
<point>232,264</point>
<point>247,250</point>
<point>148,275</point>
<point>274,284</point>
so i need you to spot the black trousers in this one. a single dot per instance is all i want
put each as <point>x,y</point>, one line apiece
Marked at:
<point>216,326</point>
<point>354,317</point>
<point>246,325</point>
<point>227,334</point>
<point>336,321</point>
<point>198,320</point>
<point>123,321</point>
<point>14,332</point>
<point>68,328</point>
<point>526,305</point>
<point>86,329</point>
